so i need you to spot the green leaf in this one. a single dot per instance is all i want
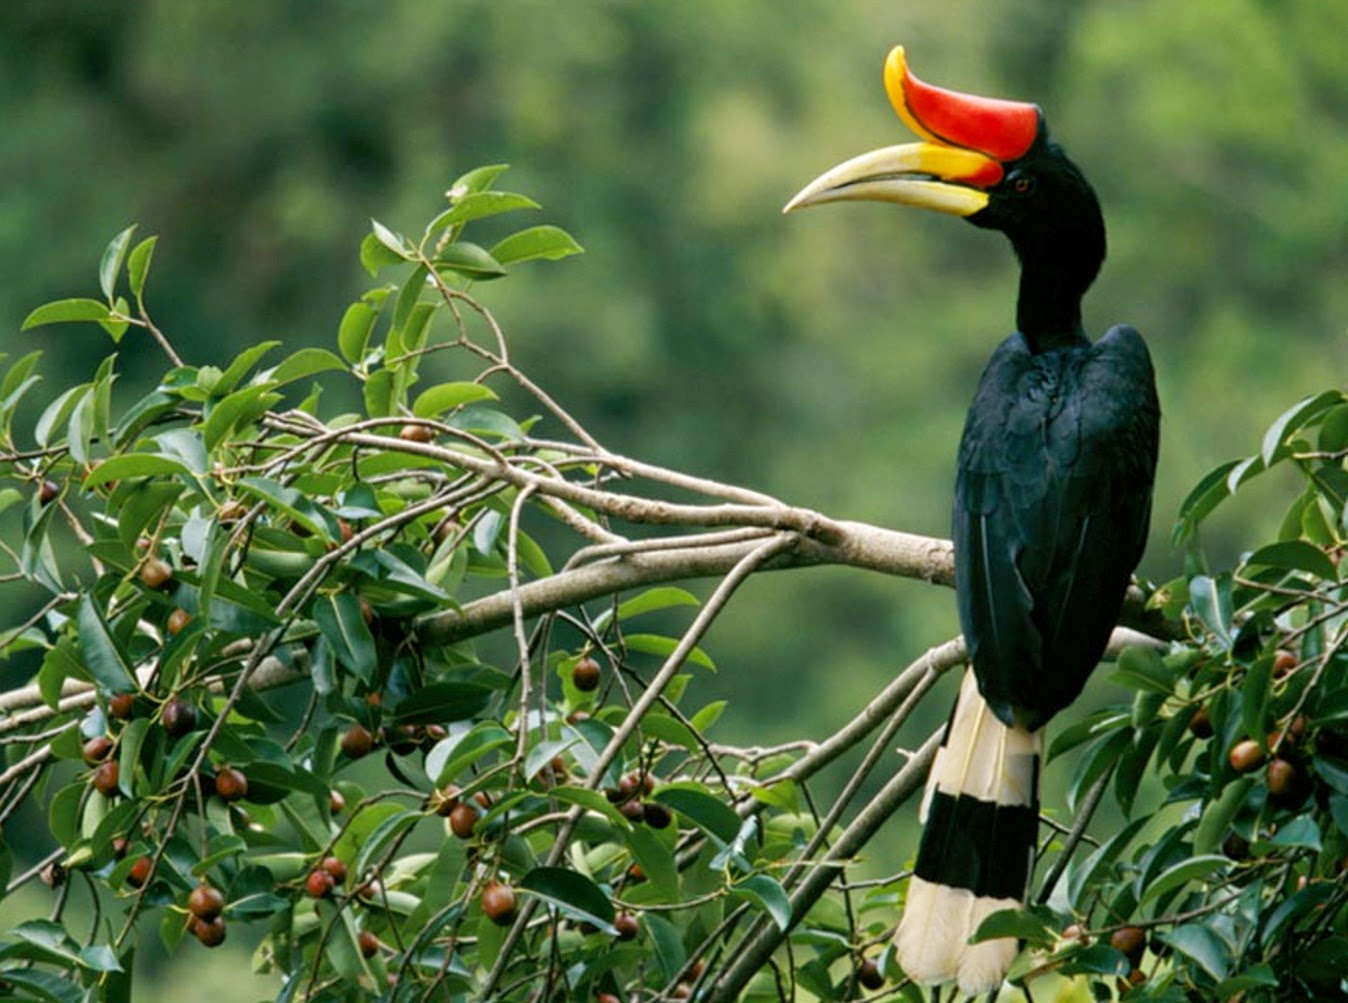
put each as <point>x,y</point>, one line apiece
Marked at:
<point>548,242</point>
<point>656,859</point>
<point>341,623</point>
<point>451,756</point>
<point>444,701</point>
<point>1291,421</point>
<point>708,813</point>
<point>138,265</point>
<point>394,242</point>
<point>383,835</point>
<point>479,179</point>
<point>444,397</point>
<point>1199,868</point>
<point>1020,924</point>
<point>353,335</point>
<point>1142,669</point>
<point>407,301</point>
<point>305,363</point>
<point>667,945</point>
<point>374,255</point>
<point>116,468</point>
<point>1254,695</point>
<point>1210,599</point>
<point>102,655</point>
<point>766,893</point>
<point>1199,943</point>
<point>40,985</point>
<point>239,410</point>
<point>656,644</point>
<point>573,893</point>
<point>468,259</point>
<point>66,311</point>
<point>479,205</point>
<point>111,264</point>
<point>1299,833</point>
<point>1295,555</point>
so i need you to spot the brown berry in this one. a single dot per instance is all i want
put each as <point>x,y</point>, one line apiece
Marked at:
<point>682,991</point>
<point>47,492</point>
<point>699,966</point>
<point>178,620</point>
<point>357,741</point>
<point>483,800</point>
<point>97,749</point>
<point>1246,755</point>
<point>1200,724</point>
<point>231,785</point>
<point>626,925</point>
<point>657,815</point>
<point>344,530</point>
<point>498,902</point>
<point>463,820</point>
<point>335,867</point>
<point>366,611</point>
<point>368,943</point>
<point>586,675</point>
<point>627,786</point>
<point>416,433</point>
<point>336,802</point>
<point>606,998</point>
<point>1130,941</point>
<point>106,778</point>
<point>1284,662</point>
<point>1280,775</point>
<point>122,706</point>
<point>319,884</point>
<point>633,811</point>
<point>868,974</point>
<point>211,932</point>
<point>206,902</point>
<point>179,717</point>
<point>156,574</point>
<point>445,800</point>
<point>1236,846</point>
<point>139,873</point>
<point>1073,931</point>
<point>635,874</point>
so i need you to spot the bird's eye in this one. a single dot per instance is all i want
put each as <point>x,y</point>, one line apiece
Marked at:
<point>1022,184</point>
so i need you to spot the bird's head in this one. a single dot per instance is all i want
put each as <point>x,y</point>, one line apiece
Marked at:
<point>989,160</point>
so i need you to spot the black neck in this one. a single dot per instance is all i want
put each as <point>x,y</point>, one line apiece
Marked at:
<point>1048,310</point>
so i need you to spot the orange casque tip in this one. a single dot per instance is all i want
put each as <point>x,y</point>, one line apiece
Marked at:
<point>1003,130</point>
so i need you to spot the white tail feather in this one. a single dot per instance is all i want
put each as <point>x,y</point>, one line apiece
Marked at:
<point>981,758</point>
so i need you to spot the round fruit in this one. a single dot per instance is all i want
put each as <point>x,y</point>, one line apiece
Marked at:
<point>627,786</point>
<point>211,932</point>
<point>1200,724</point>
<point>206,902</point>
<point>626,925</point>
<point>97,749</point>
<point>335,867</point>
<point>357,741</point>
<point>179,717</point>
<point>633,811</point>
<point>1280,776</point>
<point>345,531</point>
<point>498,902</point>
<point>682,991</point>
<point>122,706</point>
<point>177,620</point>
<point>231,784</point>
<point>1073,931</point>
<point>319,884</point>
<point>336,803</point>
<point>606,998</point>
<point>1246,755</point>
<point>586,675</point>
<point>1236,846</point>
<point>868,974</point>
<point>368,943</point>
<point>156,574</point>
<point>416,433</point>
<point>635,874</point>
<point>46,494</point>
<point>445,800</point>
<point>106,778</point>
<point>1284,662</point>
<point>139,873</point>
<point>658,816</point>
<point>463,820</point>
<point>1130,941</point>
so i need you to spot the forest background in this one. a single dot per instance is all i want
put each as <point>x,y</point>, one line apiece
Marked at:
<point>825,359</point>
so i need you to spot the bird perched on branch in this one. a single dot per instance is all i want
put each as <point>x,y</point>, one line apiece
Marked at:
<point>1052,501</point>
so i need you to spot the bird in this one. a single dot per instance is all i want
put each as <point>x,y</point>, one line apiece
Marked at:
<point>1053,490</point>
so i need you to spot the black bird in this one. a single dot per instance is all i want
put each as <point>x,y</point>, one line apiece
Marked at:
<point>1052,501</point>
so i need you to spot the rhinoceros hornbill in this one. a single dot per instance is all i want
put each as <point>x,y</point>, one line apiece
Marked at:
<point>1052,501</point>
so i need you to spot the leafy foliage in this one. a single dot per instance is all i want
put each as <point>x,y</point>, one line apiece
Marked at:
<point>398,697</point>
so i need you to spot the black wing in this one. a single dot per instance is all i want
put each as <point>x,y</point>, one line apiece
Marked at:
<point>1052,502</point>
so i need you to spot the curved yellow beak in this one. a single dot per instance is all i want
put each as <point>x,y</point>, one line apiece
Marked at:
<point>927,175</point>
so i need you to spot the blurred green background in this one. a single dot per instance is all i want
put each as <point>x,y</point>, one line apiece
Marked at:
<point>825,358</point>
